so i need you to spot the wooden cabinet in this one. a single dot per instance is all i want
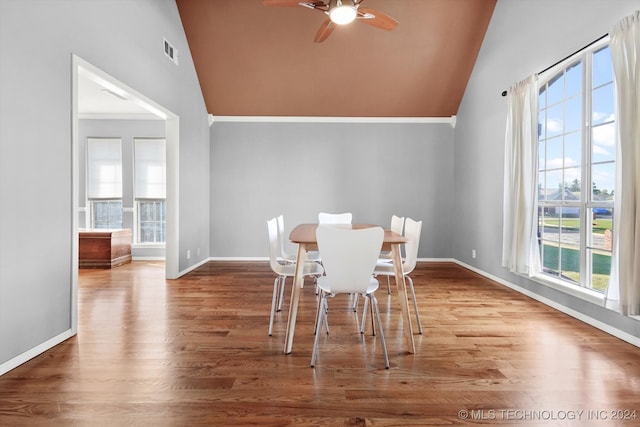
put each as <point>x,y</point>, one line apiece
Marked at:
<point>101,248</point>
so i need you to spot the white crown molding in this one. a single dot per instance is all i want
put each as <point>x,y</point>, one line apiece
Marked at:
<point>107,116</point>
<point>305,119</point>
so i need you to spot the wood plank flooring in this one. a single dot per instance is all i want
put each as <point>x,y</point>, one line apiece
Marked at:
<point>195,351</point>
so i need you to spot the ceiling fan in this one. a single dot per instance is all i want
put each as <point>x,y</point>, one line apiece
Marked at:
<point>340,12</point>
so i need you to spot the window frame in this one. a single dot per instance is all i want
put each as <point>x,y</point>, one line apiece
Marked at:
<point>141,199</point>
<point>115,195</point>
<point>586,204</point>
<point>92,212</point>
<point>138,223</point>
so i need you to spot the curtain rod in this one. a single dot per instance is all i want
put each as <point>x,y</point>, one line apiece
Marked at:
<point>504,92</point>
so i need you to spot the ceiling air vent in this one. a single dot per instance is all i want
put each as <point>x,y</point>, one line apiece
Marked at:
<point>171,52</point>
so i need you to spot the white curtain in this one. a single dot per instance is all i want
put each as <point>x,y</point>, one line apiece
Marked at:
<point>519,231</point>
<point>623,292</point>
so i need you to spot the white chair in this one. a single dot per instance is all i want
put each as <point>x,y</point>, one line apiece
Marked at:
<point>337,218</point>
<point>397,226</point>
<point>412,230</point>
<point>329,218</point>
<point>284,255</point>
<point>349,258</point>
<point>283,271</point>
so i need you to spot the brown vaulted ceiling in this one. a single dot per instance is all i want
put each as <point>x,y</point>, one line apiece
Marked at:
<point>256,60</point>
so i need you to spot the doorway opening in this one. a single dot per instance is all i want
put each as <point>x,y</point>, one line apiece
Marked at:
<point>97,94</point>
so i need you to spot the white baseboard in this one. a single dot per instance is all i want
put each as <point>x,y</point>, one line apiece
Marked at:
<point>193,267</point>
<point>35,351</point>
<point>215,258</point>
<point>631,339</point>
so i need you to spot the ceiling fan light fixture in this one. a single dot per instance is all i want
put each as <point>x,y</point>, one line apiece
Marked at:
<point>343,14</point>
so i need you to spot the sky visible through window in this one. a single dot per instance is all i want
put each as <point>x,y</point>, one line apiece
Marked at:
<point>561,155</point>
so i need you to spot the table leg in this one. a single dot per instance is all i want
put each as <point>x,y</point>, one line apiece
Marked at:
<point>402,295</point>
<point>298,281</point>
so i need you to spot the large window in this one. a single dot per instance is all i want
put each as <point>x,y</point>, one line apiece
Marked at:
<point>576,169</point>
<point>104,182</point>
<point>150,189</point>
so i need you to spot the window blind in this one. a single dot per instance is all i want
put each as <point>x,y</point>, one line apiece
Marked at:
<point>149,168</point>
<point>104,168</point>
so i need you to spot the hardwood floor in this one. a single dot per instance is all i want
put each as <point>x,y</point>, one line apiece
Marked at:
<point>195,351</point>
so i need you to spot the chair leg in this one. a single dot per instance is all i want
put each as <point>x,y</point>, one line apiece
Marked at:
<point>281,297</point>
<point>355,302</point>
<point>364,314</point>
<point>389,285</point>
<point>376,309</point>
<point>415,303</point>
<point>326,318</point>
<point>276,283</point>
<point>373,323</point>
<point>318,308</point>
<point>322,314</point>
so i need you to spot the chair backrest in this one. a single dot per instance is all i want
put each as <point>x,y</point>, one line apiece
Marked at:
<point>329,218</point>
<point>281,249</point>
<point>397,224</point>
<point>412,230</point>
<point>349,256</point>
<point>272,226</point>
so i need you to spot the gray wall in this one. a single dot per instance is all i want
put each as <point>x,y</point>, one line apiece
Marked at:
<point>260,170</point>
<point>524,37</point>
<point>37,40</point>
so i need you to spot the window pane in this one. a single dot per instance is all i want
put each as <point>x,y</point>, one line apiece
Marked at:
<point>600,248</point>
<point>555,91</point>
<point>151,221</point>
<point>603,177</point>
<point>106,214</point>
<point>555,153</point>
<point>554,123</point>
<point>600,270</point>
<point>541,156</point>
<point>573,114</point>
<point>570,243</point>
<point>561,243</point>
<point>572,184</point>
<point>603,140</point>
<point>573,78</point>
<point>572,149</point>
<point>603,105</point>
<point>550,224</point>
<point>554,183</point>
<point>542,99</point>
<point>602,67</point>
<point>601,228</point>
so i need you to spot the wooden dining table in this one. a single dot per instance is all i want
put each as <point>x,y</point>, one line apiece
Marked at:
<point>305,236</point>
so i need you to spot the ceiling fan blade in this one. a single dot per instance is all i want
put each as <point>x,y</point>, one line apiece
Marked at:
<point>376,19</point>
<point>280,2</point>
<point>325,31</point>
<point>292,3</point>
